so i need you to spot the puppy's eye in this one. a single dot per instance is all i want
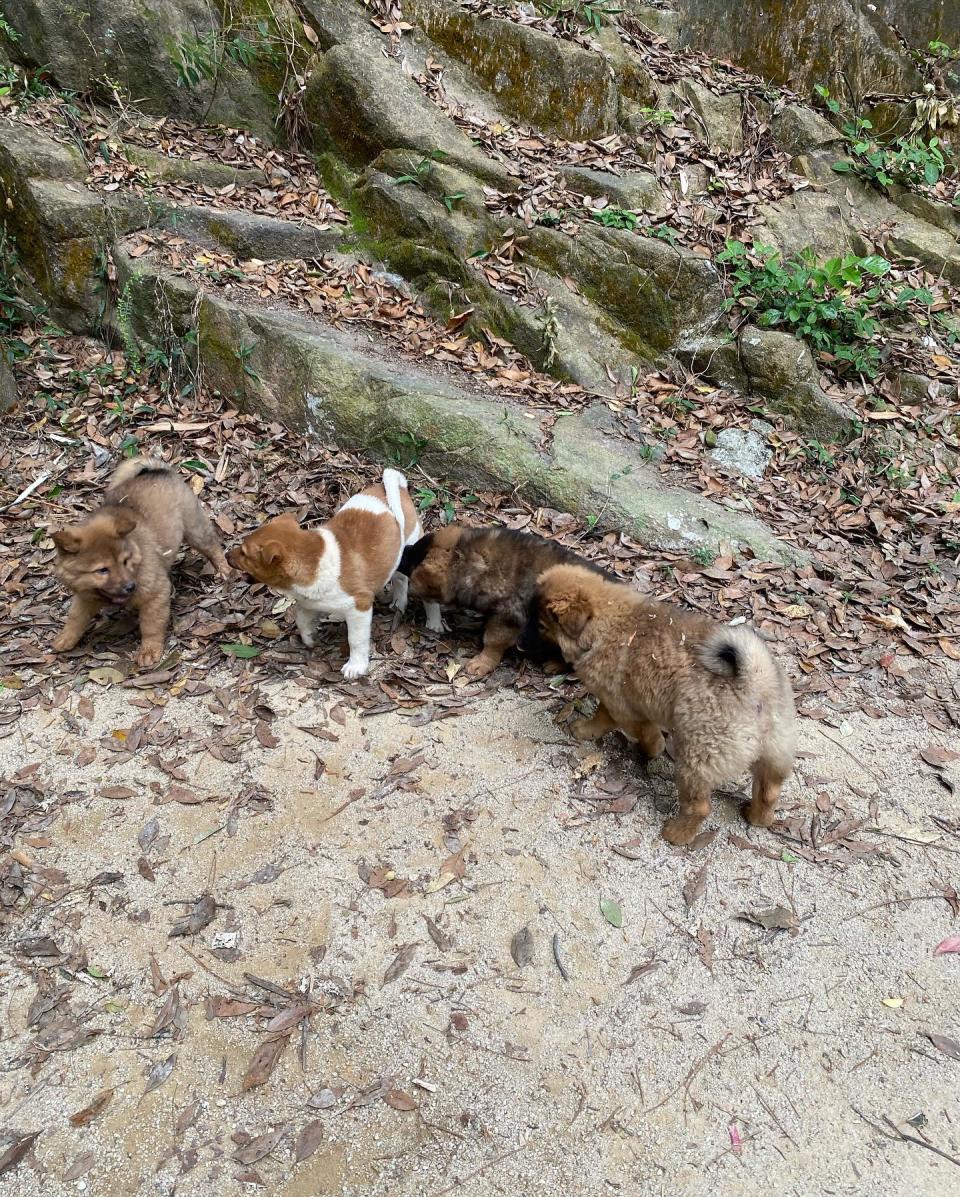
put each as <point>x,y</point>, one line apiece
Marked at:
<point>101,571</point>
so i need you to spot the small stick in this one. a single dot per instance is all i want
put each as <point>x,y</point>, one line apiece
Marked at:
<point>478,1171</point>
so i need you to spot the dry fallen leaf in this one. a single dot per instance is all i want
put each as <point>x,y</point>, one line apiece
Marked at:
<point>774,918</point>
<point>401,963</point>
<point>944,1044</point>
<point>309,1139</point>
<point>398,1100</point>
<point>695,886</point>
<point>521,947</point>
<point>260,1147</point>
<point>93,1110</point>
<point>159,1073</point>
<point>264,1061</point>
<point>950,944</point>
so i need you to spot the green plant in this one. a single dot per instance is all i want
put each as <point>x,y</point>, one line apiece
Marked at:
<point>124,318</point>
<point>833,304</point>
<point>8,30</point>
<point>441,498</point>
<point>405,449</point>
<point>573,15</point>
<point>914,161</point>
<point>704,555</point>
<point>658,116</point>
<point>453,198</point>
<point>421,170</point>
<point>615,218</point>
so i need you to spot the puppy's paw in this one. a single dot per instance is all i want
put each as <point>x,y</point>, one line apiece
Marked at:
<point>308,638</point>
<point>584,729</point>
<point>435,622</point>
<point>223,569</point>
<point>758,816</point>
<point>680,831</point>
<point>355,667</point>
<point>64,642</point>
<point>479,666</point>
<point>148,655</point>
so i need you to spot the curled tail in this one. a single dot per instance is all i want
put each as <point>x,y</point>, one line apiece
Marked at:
<point>126,471</point>
<point>737,654</point>
<point>393,483</point>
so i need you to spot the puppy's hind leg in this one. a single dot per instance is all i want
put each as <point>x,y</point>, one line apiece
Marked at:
<point>399,585</point>
<point>305,624</point>
<point>694,808</point>
<point>647,736</point>
<point>200,534</point>
<point>768,781</point>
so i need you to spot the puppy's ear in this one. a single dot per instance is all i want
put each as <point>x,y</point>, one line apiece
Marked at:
<point>124,522</point>
<point>67,540</point>
<point>571,609</point>
<point>268,553</point>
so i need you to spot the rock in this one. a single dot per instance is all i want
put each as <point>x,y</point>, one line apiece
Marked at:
<point>805,219</point>
<point>797,129</point>
<point>664,22</point>
<point>249,235</point>
<point>317,379</point>
<point>335,22</point>
<point>637,190</point>
<point>359,104</point>
<point>720,115</point>
<point>204,172</point>
<point>27,153</point>
<point>9,396</point>
<point>656,293</point>
<point>742,451</point>
<point>551,83</point>
<point>133,45</point>
<point>782,370</point>
<point>851,47</point>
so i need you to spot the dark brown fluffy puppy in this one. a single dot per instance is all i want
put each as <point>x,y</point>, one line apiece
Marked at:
<point>123,553</point>
<point>489,570</point>
<point>656,668</point>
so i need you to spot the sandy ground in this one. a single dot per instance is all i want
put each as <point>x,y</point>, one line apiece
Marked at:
<point>743,1060</point>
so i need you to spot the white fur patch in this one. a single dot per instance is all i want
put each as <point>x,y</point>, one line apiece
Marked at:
<point>367,503</point>
<point>324,593</point>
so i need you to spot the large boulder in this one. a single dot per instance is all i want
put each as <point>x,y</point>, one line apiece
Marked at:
<point>8,385</point>
<point>553,84</point>
<point>134,45</point>
<point>359,103</point>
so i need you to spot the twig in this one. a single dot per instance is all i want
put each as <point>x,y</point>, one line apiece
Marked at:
<point>685,1083</point>
<point>904,1138</point>
<point>479,1171</point>
<point>898,901</point>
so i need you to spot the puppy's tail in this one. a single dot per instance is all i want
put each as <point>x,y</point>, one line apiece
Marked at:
<point>414,553</point>
<point>133,467</point>
<point>737,654</point>
<point>393,483</point>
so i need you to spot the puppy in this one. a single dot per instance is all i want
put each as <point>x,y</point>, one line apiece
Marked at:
<point>338,569</point>
<point>123,553</point>
<point>490,570</point>
<point>656,668</point>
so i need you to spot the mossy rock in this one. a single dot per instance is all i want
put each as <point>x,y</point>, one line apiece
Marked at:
<point>554,84</point>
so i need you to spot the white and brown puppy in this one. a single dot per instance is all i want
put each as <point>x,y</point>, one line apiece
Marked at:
<point>338,569</point>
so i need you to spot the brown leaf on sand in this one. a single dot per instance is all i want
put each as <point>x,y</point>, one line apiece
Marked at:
<point>944,1044</point>
<point>308,1140</point>
<point>93,1110</point>
<point>774,918</point>
<point>521,947</point>
<point>695,886</point>
<point>186,1118</point>
<point>937,756</point>
<point>260,1147</point>
<point>440,938</point>
<point>117,792</point>
<point>398,1100</point>
<point>80,1166</point>
<point>265,735</point>
<point>640,970</point>
<point>228,1007</point>
<point>707,951</point>
<point>264,1061</point>
<point>14,1152</point>
<point>201,913</point>
<point>182,795</point>
<point>401,963</point>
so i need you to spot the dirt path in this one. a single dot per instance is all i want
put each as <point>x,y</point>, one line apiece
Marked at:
<point>687,1050</point>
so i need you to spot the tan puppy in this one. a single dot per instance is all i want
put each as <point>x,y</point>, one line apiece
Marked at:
<point>338,569</point>
<point>490,570</point>
<point>123,553</point>
<point>656,668</point>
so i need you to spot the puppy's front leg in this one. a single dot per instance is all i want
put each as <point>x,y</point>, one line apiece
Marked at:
<point>359,622</point>
<point>600,722</point>
<point>305,623</point>
<point>82,613</point>
<point>399,585</point>
<point>498,636</point>
<point>154,619</point>
<point>434,618</point>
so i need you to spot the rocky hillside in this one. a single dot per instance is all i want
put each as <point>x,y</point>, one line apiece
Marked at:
<point>533,245</point>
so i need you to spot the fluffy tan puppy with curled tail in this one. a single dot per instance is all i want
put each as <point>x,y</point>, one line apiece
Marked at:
<point>656,668</point>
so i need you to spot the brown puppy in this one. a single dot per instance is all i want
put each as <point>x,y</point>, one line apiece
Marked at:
<point>656,668</point>
<point>123,553</point>
<point>490,570</point>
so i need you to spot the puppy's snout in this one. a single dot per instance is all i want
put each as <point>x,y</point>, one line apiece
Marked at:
<point>128,588</point>
<point>233,559</point>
